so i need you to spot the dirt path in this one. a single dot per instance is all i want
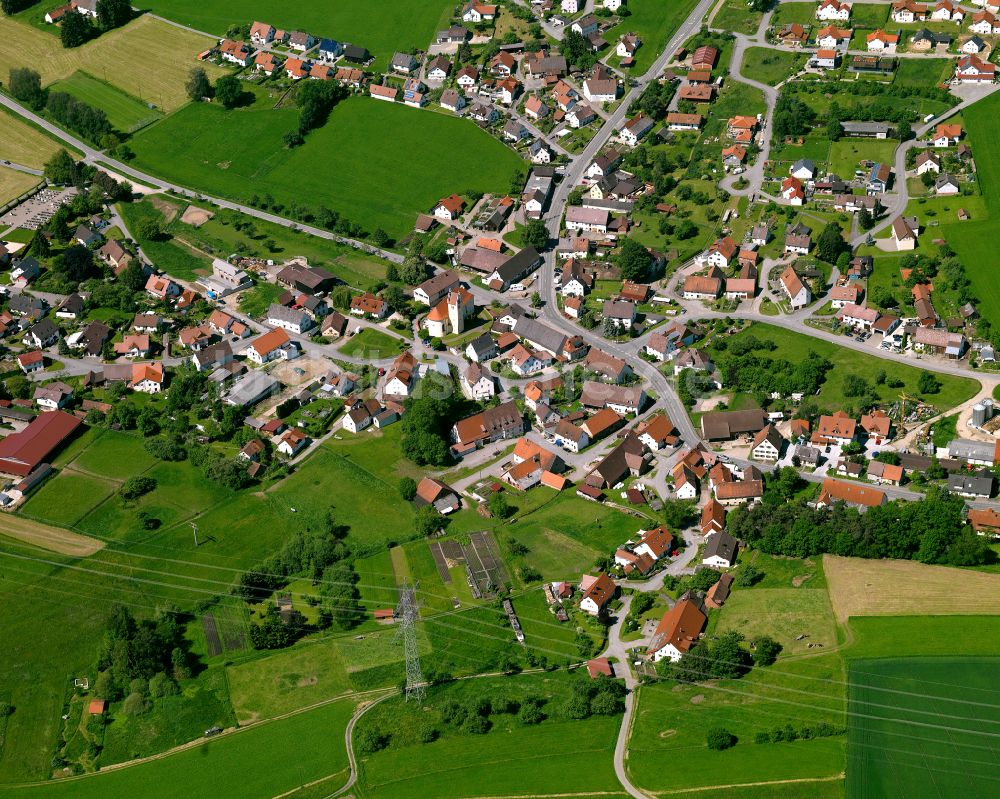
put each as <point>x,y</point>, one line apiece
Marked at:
<point>47,537</point>
<point>833,778</point>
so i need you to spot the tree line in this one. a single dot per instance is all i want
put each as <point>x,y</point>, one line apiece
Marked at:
<point>932,530</point>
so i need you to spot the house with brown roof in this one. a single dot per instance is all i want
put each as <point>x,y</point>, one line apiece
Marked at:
<point>628,458</point>
<point>726,425</point>
<point>795,289</point>
<point>713,517</point>
<point>273,345</point>
<point>739,492</point>
<point>597,593</point>
<point>767,444</point>
<point>677,632</point>
<point>658,432</point>
<point>701,287</point>
<point>835,428</point>
<point>885,473</point>
<point>716,596</point>
<point>493,424</point>
<point>853,494</point>
<point>438,494</point>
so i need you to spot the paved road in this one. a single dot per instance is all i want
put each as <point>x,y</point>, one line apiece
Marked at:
<point>22,168</point>
<point>96,156</point>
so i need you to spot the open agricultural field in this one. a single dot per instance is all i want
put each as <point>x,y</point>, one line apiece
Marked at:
<point>355,480</point>
<point>264,761</point>
<point>388,162</point>
<point>954,390</point>
<point>147,58</point>
<point>125,113</point>
<point>383,28</point>
<point>771,66</point>
<point>900,588</point>
<point>922,728</point>
<point>655,22</point>
<point>510,759</point>
<point>24,144</point>
<point>278,683</point>
<point>14,183</point>
<point>784,614</point>
<point>54,539</point>
<point>672,720</point>
<point>974,241</point>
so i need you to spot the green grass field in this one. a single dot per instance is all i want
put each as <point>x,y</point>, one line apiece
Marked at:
<point>512,759</point>
<point>869,15</point>
<point>655,23</point>
<point>383,28</point>
<point>771,66</point>
<point>263,761</point>
<point>377,164</point>
<point>734,16</point>
<point>372,345</point>
<point>922,72</point>
<point>803,13</point>
<point>846,154</point>
<point>954,390</point>
<point>922,727</point>
<point>356,479</point>
<point>125,113</point>
<point>973,241</point>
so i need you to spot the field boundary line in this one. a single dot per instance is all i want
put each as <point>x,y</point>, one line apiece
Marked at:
<point>796,781</point>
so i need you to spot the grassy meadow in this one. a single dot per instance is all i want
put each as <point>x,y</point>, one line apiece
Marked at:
<point>354,164</point>
<point>655,23</point>
<point>263,761</point>
<point>973,241</point>
<point>954,390</point>
<point>125,113</point>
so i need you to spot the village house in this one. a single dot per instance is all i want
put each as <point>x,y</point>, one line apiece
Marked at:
<point>597,593</point>
<point>720,551</point>
<point>274,345</point>
<point>677,632</point>
<point>438,494</point>
<point>767,444</point>
<point>797,292</point>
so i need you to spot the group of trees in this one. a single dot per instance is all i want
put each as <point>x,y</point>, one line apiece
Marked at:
<point>792,117</point>
<point>76,29</point>
<point>744,367</point>
<point>428,420</point>
<point>723,658</point>
<point>140,659</point>
<point>322,556</point>
<point>25,85</point>
<point>932,530</point>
